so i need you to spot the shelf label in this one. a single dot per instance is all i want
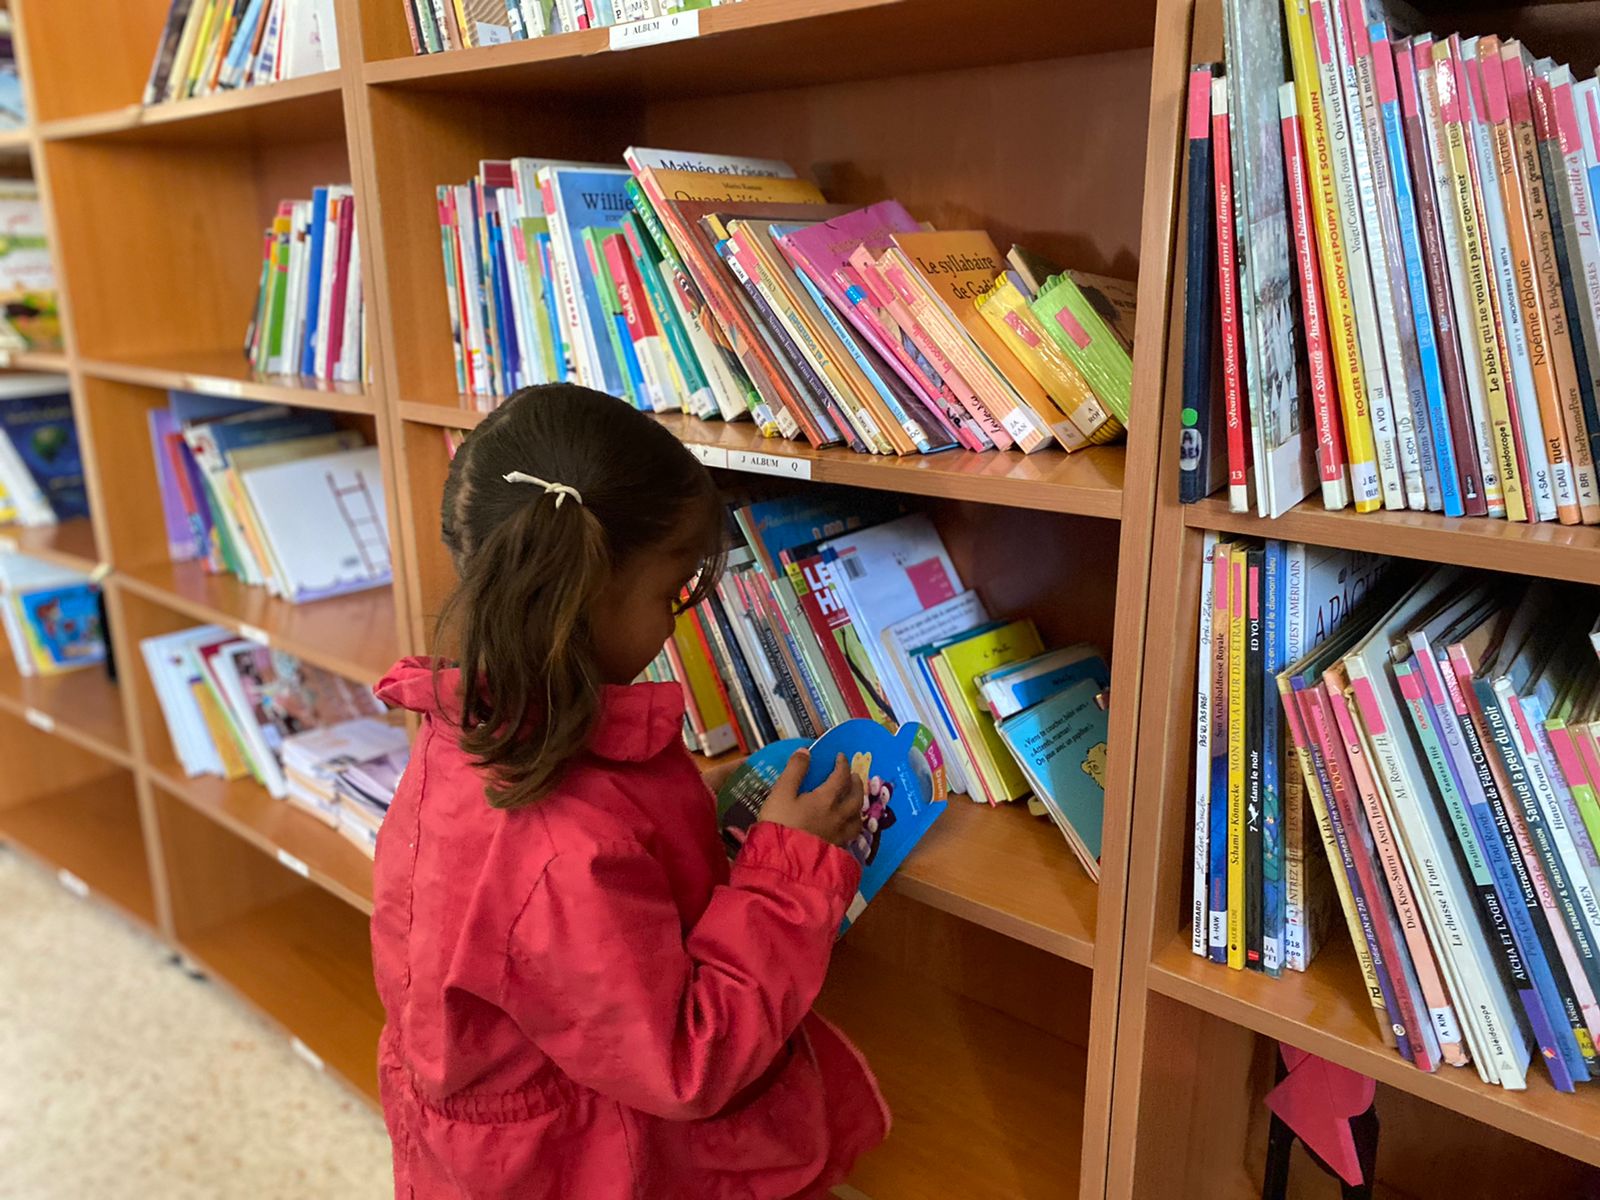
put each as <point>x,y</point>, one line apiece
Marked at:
<point>787,466</point>
<point>98,575</point>
<point>213,385</point>
<point>294,864</point>
<point>307,1053</point>
<point>72,883</point>
<point>492,35</point>
<point>674,28</point>
<point>712,456</point>
<point>42,721</point>
<point>251,633</point>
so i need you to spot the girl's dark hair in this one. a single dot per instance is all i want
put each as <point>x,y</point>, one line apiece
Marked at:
<point>531,570</point>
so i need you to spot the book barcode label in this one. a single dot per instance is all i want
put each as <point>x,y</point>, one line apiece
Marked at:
<point>251,633</point>
<point>852,566</point>
<point>770,464</point>
<point>294,864</point>
<point>674,28</point>
<point>212,385</point>
<point>42,721</point>
<point>712,456</point>
<point>72,883</point>
<point>306,1052</point>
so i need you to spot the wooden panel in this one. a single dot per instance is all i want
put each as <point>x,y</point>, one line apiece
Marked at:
<point>213,877</point>
<point>69,543</point>
<point>82,706</point>
<point>295,109</point>
<point>98,54</point>
<point>227,373</point>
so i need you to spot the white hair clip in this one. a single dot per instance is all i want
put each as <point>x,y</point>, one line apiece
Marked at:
<point>561,490</point>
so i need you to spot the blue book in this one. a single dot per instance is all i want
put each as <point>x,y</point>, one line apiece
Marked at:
<point>319,232</point>
<point>1014,687</point>
<point>903,789</point>
<point>1061,747</point>
<point>1274,575</point>
<point>64,625</point>
<point>36,416</point>
<point>586,197</point>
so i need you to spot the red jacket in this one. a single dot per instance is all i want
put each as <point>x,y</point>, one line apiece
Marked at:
<point>583,1002</point>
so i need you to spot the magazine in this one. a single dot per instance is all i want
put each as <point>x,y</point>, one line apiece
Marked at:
<point>904,793</point>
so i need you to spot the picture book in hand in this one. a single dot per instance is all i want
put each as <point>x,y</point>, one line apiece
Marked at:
<point>904,792</point>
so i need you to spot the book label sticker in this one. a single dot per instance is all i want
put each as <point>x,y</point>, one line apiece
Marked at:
<point>42,721</point>
<point>1017,425</point>
<point>673,28</point>
<point>306,1052</point>
<point>212,385</point>
<point>72,883</point>
<point>252,634</point>
<point>770,464</point>
<point>712,456</point>
<point>492,35</point>
<point>294,864</point>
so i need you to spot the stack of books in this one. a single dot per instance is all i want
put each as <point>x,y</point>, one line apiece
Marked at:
<point>728,288</point>
<point>281,498</point>
<point>841,606</point>
<point>53,616</point>
<point>437,25</point>
<point>232,704</point>
<point>41,469</point>
<point>1437,729</point>
<point>1393,253</point>
<point>211,46</point>
<point>346,775</point>
<point>30,318</point>
<point>310,316</point>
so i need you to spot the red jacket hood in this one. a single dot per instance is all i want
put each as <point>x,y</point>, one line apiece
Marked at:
<point>636,723</point>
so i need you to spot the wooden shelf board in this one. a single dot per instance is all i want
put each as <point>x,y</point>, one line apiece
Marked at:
<point>68,544</point>
<point>354,636</point>
<point>82,706</point>
<point>36,360</point>
<point>307,967</point>
<point>227,373</point>
<point>16,141</point>
<point>1326,1011</point>
<point>1550,550</point>
<point>1007,871</point>
<point>986,1107</point>
<point>766,44</point>
<point>1088,483</point>
<point>278,828</point>
<point>92,831</point>
<point>293,110</point>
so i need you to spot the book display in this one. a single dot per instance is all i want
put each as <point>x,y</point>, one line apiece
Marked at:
<point>910,278</point>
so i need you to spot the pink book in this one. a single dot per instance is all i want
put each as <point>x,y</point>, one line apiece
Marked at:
<point>341,283</point>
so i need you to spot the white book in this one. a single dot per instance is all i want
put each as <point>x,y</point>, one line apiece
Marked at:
<point>1540,489</point>
<point>1202,751</point>
<point>173,668</point>
<point>337,196</point>
<point>326,522</point>
<point>908,695</point>
<point>640,158</point>
<point>472,292</point>
<point>588,344</point>
<point>1342,103</point>
<point>295,308</point>
<point>326,35</point>
<point>302,50</point>
<point>263,755</point>
<point>1572,127</point>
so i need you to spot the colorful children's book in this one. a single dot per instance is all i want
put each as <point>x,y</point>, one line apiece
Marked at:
<point>36,418</point>
<point>903,794</point>
<point>958,669</point>
<point>1060,744</point>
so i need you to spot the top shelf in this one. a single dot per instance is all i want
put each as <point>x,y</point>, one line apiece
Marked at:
<point>768,44</point>
<point>271,112</point>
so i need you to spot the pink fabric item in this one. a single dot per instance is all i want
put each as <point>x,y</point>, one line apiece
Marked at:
<point>1316,1100</point>
<point>584,1001</point>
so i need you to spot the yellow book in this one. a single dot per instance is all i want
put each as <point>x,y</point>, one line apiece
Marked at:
<point>957,668</point>
<point>1360,453</point>
<point>1480,290</point>
<point>688,186</point>
<point>234,764</point>
<point>715,729</point>
<point>1237,735</point>
<point>202,45</point>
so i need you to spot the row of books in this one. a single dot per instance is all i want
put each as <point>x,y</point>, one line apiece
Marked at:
<point>53,616</point>
<point>30,318</point>
<point>436,25</point>
<point>281,498</point>
<point>41,467</point>
<point>210,46</point>
<point>841,606</point>
<point>1440,727</point>
<point>728,288</point>
<point>1392,243</point>
<point>310,314</point>
<point>236,709</point>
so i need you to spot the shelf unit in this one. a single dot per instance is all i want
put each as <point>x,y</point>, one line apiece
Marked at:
<point>1196,1041</point>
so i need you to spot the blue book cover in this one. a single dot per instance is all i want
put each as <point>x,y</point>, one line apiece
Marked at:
<point>1016,686</point>
<point>807,518</point>
<point>319,231</point>
<point>902,785</point>
<point>237,435</point>
<point>42,432</point>
<point>64,625</point>
<point>511,369</point>
<point>585,198</point>
<point>1061,746</point>
<point>1275,578</point>
<point>189,408</point>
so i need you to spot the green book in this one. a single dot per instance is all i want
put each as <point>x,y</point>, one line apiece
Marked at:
<point>648,262</point>
<point>535,232</point>
<point>594,241</point>
<point>1091,318</point>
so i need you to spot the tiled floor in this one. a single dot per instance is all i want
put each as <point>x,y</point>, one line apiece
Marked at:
<point>121,1078</point>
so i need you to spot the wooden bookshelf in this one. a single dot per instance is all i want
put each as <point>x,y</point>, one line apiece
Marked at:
<point>69,544</point>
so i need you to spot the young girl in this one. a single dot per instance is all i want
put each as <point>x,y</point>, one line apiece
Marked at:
<point>584,1002</point>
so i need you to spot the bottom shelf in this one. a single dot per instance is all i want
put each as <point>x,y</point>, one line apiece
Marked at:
<point>986,1107</point>
<point>305,962</point>
<point>90,831</point>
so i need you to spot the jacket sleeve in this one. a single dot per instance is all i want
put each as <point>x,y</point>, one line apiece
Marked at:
<point>673,1022</point>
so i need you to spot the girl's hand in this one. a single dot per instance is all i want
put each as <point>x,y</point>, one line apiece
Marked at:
<point>831,811</point>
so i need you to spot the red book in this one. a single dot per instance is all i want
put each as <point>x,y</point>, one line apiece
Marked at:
<point>1228,298</point>
<point>339,292</point>
<point>697,623</point>
<point>829,618</point>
